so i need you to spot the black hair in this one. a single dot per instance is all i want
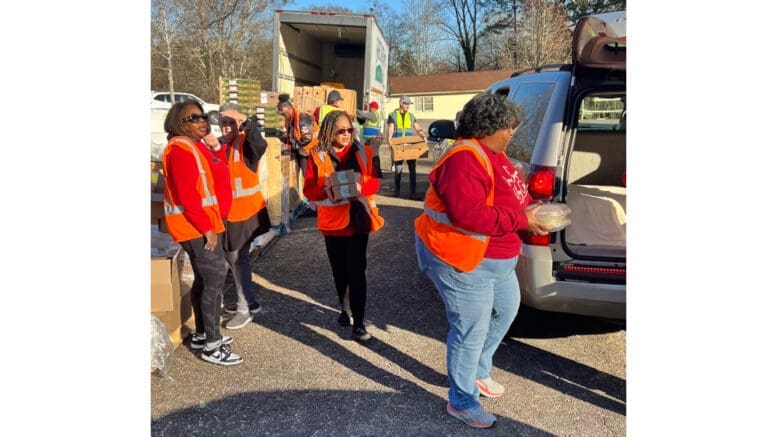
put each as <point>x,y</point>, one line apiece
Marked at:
<point>174,119</point>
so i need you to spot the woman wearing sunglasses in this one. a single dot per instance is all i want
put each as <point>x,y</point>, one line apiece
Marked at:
<point>197,201</point>
<point>346,223</point>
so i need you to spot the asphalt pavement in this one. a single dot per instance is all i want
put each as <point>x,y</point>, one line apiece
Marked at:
<point>304,376</point>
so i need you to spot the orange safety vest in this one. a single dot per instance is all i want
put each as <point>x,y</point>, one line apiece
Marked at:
<point>333,216</point>
<point>179,227</point>
<point>456,246</point>
<point>247,197</point>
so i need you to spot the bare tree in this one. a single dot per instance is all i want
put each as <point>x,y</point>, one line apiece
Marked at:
<point>544,36</point>
<point>164,35</point>
<point>576,9</point>
<point>463,25</point>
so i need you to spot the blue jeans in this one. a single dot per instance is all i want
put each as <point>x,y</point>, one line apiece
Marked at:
<point>480,306</point>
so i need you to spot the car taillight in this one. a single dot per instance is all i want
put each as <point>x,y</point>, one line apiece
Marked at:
<point>541,182</point>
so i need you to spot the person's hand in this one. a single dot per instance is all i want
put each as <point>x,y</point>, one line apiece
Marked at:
<point>211,239</point>
<point>235,115</point>
<point>211,141</point>
<point>533,226</point>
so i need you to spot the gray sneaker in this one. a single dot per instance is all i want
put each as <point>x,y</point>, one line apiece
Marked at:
<point>239,320</point>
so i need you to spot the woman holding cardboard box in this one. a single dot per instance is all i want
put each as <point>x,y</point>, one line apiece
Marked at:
<point>197,201</point>
<point>341,179</point>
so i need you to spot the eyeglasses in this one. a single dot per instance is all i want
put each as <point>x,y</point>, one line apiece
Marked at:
<point>344,131</point>
<point>195,118</point>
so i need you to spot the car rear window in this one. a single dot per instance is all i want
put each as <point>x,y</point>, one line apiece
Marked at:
<point>533,100</point>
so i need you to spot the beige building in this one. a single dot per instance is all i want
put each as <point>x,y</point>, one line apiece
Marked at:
<point>440,96</point>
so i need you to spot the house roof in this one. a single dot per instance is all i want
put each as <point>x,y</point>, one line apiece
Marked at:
<point>470,81</point>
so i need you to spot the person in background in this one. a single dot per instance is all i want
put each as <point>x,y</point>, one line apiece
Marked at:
<point>197,201</point>
<point>401,123</point>
<point>248,218</point>
<point>372,128</point>
<point>467,244</point>
<point>301,128</point>
<point>333,100</point>
<point>345,224</point>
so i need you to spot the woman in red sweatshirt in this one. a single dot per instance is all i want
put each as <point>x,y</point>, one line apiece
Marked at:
<point>346,222</point>
<point>466,242</point>
<point>198,196</point>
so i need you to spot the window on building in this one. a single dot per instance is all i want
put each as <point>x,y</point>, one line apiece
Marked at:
<point>424,104</point>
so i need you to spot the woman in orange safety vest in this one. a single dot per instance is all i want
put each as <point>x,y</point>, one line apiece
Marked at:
<point>467,244</point>
<point>196,186</point>
<point>248,217</point>
<point>347,212</point>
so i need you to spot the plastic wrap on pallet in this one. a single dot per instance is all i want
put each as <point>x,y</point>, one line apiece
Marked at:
<point>162,350</point>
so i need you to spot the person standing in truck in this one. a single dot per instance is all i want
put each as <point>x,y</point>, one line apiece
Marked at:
<point>248,217</point>
<point>401,123</point>
<point>333,100</point>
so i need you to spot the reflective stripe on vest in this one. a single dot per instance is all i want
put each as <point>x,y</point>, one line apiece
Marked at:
<point>460,248</point>
<point>441,217</point>
<point>372,128</point>
<point>400,130</point>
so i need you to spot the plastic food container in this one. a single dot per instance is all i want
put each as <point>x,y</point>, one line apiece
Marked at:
<point>553,214</point>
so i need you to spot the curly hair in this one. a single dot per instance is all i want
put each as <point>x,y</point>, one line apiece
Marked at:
<point>174,119</point>
<point>485,114</point>
<point>326,131</point>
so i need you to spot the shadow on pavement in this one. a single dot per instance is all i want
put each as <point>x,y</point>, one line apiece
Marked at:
<point>334,412</point>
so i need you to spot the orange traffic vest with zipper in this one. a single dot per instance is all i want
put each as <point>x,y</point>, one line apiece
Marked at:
<point>333,215</point>
<point>177,224</point>
<point>456,246</point>
<point>247,197</point>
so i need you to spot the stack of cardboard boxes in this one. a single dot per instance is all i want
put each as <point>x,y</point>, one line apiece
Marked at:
<point>343,185</point>
<point>171,271</point>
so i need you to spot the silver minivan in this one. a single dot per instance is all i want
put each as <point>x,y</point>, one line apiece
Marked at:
<point>571,149</point>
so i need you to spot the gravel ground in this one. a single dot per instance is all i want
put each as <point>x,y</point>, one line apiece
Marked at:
<point>304,376</point>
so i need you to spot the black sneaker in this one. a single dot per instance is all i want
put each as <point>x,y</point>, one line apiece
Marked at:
<point>198,340</point>
<point>360,334</point>
<point>254,308</point>
<point>229,309</point>
<point>344,320</point>
<point>221,355</point>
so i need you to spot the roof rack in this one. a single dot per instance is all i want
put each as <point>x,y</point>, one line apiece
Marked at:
<point>541,68</point>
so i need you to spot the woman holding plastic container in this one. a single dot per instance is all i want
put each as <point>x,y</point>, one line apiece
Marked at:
<point>347,212</point>
<point>198,197</point>
<point>467,244</point>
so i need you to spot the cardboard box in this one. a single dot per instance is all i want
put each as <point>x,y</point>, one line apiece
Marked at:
<point>179,319</point>
<point>345,191</point>
<point>342,177</point>
<point>161,285</point>
<point>412,147</point>
<point>268,98</point>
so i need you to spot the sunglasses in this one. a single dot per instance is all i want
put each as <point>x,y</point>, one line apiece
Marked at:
<point>195,118</point>
<point>344,131</point>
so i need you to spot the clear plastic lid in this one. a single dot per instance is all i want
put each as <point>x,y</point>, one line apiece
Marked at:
<point>553,214</point>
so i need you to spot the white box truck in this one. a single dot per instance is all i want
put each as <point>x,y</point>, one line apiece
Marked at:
<point>311,47</point>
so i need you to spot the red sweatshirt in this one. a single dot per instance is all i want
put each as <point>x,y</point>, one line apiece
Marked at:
<point>184,176</point>
<point>463,185</point>
<point>359,220</point>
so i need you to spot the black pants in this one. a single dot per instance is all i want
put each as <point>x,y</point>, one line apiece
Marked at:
<point>348,258</point>
<point>210,270</point>
<point>398,175</point>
